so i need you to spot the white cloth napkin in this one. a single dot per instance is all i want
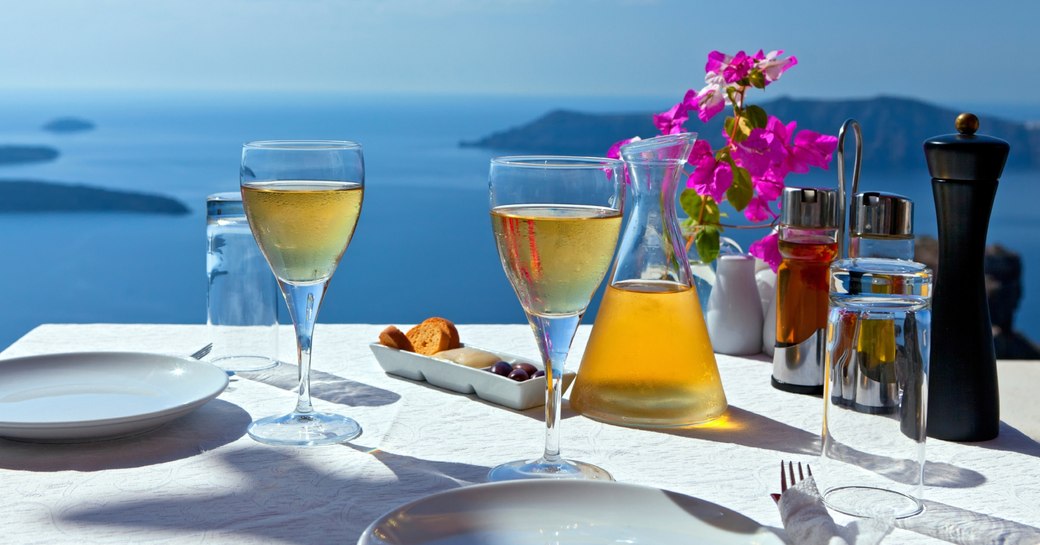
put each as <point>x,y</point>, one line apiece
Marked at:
<point>808,523</point>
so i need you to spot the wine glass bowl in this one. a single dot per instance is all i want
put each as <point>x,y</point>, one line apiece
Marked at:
<point>556,222</point>
<point>302,200</point>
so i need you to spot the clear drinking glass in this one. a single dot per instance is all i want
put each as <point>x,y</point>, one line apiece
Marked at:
<point>876,387</point>
<point>242,297</point>
<point>556,222</point>
<point>302,200</point>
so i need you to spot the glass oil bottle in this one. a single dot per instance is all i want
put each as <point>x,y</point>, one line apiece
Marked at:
<point>808,244</point>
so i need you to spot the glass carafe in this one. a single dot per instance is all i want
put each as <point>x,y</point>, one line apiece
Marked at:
<point>649,361</point>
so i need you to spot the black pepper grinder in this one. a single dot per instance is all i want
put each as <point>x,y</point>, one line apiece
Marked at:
<point>963,400</point>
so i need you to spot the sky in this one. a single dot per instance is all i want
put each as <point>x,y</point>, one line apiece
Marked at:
<point>949,51</point>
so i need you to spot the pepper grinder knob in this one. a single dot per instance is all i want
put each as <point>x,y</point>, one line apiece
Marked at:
<point>967,123</point>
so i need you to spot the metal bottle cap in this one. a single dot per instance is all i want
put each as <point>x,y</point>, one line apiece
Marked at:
<point>809,207</point>
<point>877,213</point>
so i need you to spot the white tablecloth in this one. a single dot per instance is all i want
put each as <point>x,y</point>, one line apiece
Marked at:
<point>200,479</point>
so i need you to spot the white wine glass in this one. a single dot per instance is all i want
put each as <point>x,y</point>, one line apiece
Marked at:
<point>556,222</point>
<point>302,200</point>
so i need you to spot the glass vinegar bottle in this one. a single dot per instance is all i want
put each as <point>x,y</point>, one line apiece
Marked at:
<point>649,361</point>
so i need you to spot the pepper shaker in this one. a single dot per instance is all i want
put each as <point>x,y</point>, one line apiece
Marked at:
<point>963,402</point>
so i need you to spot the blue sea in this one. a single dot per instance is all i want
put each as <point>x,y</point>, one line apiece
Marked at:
<point>423,245</point>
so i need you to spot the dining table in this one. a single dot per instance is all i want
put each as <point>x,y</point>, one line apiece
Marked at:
<point>201,479</point>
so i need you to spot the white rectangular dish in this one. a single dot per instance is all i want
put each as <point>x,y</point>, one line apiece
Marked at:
<point>468,380</point>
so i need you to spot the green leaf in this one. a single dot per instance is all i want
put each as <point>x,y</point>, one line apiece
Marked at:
<point>691,203</point>
<point>757,79</point>
<point>688,226</point>
<point>757,117</point>
<point>701,210</point>
<point>739,194</point>
<point>707,243</point>
<point>711,211</point>
<point>742,132</point>
<point>745,126</point>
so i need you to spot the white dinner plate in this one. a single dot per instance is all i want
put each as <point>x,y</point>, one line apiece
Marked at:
<point>85,396</point>
<point>563,512</point>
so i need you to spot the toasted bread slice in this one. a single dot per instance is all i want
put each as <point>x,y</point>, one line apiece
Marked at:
<point>452,331</point>
<point>395,338</point>
<point>433,335</point>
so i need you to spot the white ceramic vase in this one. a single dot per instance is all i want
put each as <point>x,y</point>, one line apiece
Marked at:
<point>734,315</point>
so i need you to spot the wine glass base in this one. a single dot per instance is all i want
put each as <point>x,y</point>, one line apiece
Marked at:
<point>543,469</point>
<point>304,429</point>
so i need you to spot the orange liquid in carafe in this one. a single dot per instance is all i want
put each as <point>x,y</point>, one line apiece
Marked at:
<point>649,361</point>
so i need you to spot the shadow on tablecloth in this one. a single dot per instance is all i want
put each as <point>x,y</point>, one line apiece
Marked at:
<point>272,495</point>
<point>1012,440</point>
<point>741,427</point>
<point>326,386</point>
<point>965,527</point>
<point>215,424</point>
<point>427,473</point>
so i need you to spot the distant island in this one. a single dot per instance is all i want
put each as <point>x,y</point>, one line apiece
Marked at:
<point>69,125</point>
<point>14,154</point>
<point>31,196</point>
<point>893,130</point>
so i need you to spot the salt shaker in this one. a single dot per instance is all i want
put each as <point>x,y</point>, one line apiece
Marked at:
<point>963,402</point>
<point>881,225</point>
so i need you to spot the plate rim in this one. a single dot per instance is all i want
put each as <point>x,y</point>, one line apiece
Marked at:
<point>367,536</point>
<point>210,393</point>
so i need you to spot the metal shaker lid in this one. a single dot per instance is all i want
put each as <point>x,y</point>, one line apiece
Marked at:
<point>809,207</point>
<point>877,213</point>
<point>966,156</point>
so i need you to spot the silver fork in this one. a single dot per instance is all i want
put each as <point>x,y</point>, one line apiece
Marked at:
<point>787,476</point>
<point>202,352</point>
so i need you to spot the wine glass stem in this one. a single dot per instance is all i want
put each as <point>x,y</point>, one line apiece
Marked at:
<point>554,336</point>
<point>304,300</point>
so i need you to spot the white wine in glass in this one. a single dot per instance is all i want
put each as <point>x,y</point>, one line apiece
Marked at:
<point>302,201</point>
<point>556,222</point>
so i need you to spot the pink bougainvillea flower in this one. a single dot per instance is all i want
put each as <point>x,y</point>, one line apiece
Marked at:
<point>711,98</point>
<point>671,121</point>
<point>762,150</point>
<point>700,151</point>
<point>732,68</point>
<point>717,62</point>
<point>710,177</point>
<point>772,66</point>
<point>758,209</point>
<point>768,186</point>
<point>768,249</point>
<point>808,149</point>
<point>812,149</point>
<point>738,67</point>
